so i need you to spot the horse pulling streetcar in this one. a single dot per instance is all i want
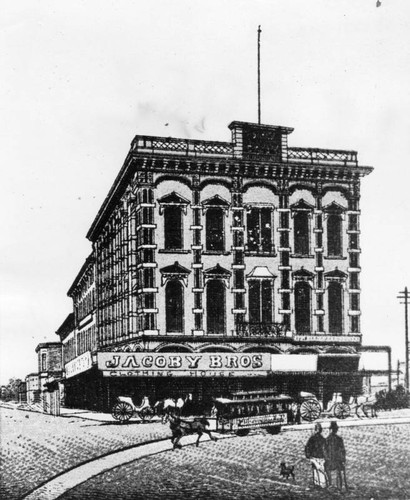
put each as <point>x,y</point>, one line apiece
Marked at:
<point>244,411</point>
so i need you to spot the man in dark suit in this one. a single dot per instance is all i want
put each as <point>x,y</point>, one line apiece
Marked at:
<point>335,456</point>
<point>315,452</point>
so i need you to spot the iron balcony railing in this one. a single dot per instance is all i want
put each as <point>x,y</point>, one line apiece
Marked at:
<point>188,147</point>
<point>197,148</point>
<point>315,156</point>
<point>274,330</point>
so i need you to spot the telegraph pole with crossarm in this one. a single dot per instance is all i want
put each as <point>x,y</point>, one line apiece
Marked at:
<point>404,295</point>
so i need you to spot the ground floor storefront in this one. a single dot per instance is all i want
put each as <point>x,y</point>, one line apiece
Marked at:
<point>207,376</point>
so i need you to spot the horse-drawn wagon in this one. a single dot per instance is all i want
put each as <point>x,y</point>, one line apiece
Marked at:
<point>124,409</point>
<point>311,409</point>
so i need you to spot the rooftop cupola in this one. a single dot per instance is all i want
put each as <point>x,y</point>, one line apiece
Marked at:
<point>252,141</point>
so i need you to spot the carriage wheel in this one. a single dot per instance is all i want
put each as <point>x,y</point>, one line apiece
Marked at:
<point>122,412</point>
<point>146,414</point>
<point>342,410</point>
<point>310,410</point>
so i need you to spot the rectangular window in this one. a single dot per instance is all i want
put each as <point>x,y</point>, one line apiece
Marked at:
<point>261,301</point>
<point>260,230</point>
<point>44,362</point>
<point>173,228</point>
<point>301,233</point>
<point>214,220</point>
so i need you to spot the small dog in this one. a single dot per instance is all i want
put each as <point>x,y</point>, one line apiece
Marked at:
<point>286,471</point>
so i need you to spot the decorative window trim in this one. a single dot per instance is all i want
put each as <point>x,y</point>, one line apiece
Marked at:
<point>217,272</point>
<point>216,202</point>
<point>174,272</point>
<point>173,199</point>
<point>259,269</point>
<point>302,206</point>
<point>303,274</point>
<point>334,209</point>
<point>336,275</point>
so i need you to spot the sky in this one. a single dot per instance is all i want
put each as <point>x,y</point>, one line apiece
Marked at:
<point>80,79</point>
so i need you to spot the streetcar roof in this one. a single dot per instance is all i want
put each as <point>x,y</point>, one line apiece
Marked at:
<point>252,394</point>
<point>270,399</point>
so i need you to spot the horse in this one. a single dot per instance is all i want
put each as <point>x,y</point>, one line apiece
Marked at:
<point>165,407</point>
<point>180,428</point>
<point>364,403</point>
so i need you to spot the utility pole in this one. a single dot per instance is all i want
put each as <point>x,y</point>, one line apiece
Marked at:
<point>404,295</point>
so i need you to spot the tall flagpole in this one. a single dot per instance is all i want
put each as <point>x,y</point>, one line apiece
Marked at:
<point>259,75</point>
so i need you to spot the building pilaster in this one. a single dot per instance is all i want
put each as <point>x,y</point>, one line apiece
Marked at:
<point>197,247</point>
<point>238,252</point>
<point>284,253</point>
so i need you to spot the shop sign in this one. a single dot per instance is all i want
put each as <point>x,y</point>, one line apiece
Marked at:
<point>259,421</point>
<point>78,365</point>
<point>118,364</point>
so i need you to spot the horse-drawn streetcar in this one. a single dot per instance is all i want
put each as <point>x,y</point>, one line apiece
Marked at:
<point>240,415</point>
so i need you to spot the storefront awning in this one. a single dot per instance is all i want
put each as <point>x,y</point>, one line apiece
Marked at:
<point>294,363</point>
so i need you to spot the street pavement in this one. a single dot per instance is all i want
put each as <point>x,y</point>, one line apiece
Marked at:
<point>377,467</point>
<point>36,448</point>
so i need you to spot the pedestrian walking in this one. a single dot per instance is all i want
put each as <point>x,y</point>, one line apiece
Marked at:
<point>335,456</point>
<point>315,452</point>
<point>298,416</point>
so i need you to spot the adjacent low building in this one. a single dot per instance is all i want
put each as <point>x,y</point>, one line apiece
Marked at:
<point>50,375</point>
<point>220,267</point>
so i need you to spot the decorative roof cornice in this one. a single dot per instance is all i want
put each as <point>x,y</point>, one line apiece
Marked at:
<point>85,269</point>
<point>214,158</point>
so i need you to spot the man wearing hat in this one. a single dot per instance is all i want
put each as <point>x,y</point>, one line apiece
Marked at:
<point>335,454</point>
<point>315,452</point>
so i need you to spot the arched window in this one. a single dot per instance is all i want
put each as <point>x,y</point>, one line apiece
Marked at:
<point>335,307</point>
<point>302,307</point>
<point>334,235</point>
<point>173,227</point>
<point>174,305</point>
<point>215,230</point>
<point>301,233</point>
<point>215,306</point>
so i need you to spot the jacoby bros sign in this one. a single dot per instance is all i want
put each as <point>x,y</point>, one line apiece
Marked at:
<point>115,364</point>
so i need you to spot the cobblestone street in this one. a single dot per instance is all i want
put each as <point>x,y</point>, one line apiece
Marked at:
<point>248,468</point>
<point>36,447</point>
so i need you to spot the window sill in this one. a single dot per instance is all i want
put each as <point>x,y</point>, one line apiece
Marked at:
<point>173,250</point>
<point>260,254</point>
<point>335,257</point>
<point>216,252</point>
<point>302,256</point>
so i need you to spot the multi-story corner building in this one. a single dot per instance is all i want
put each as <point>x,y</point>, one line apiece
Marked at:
<point>220,266</point>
